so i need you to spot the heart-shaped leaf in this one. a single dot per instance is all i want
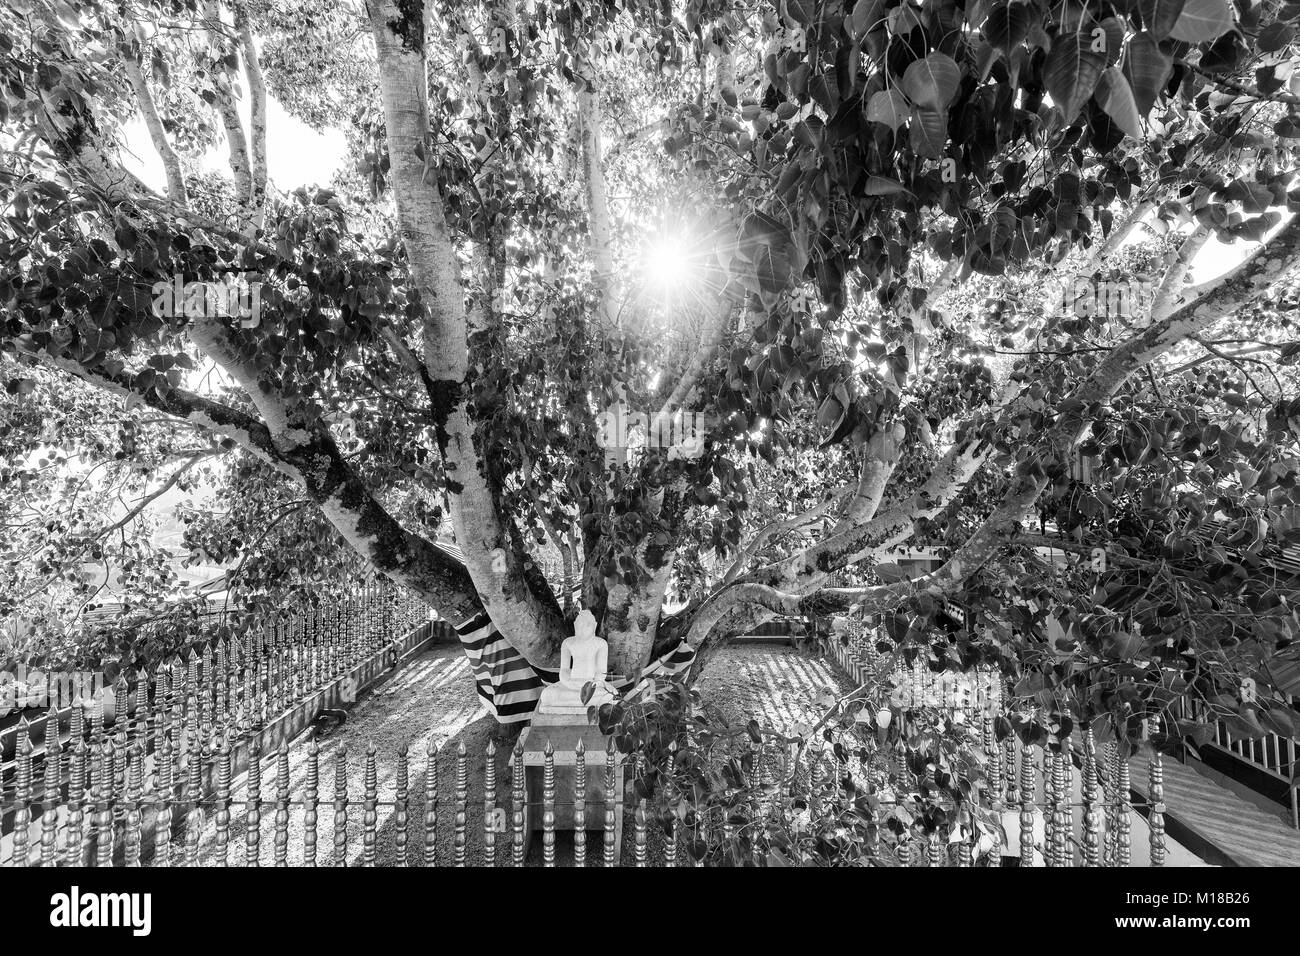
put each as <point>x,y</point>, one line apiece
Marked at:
<point>889,107</point>
<point>1114,31</point>
<point>772,268</point>
<point>1147,70</point>
<point>1072,72</point>
<point>831,412</point>
<point>1116,98</point>
<point>1202,20</point>
<point>929,133</point>
<point>866,16</point>
<point>932,83</point>
<point>1275,36</point>
<point>1008,24</point>
<point>1002,228</point>
<point>1225,54</point>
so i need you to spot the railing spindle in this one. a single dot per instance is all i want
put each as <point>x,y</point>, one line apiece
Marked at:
<point>121,729</point>
<point>1123,844</point>
<point>670,830</point>
<point>1062,811</point>
<point>281,823</point>
<point>431,807</point>
<point>1156,789</point>
<point>400,815</point>
<point>490,805</point>
<point>162,830</point>
<point>75,849</point>
<point>341,807</point>
<point>143,723</point>
<point>133,837</point>
<point>1009,765</point>
<point>370,816</point>
<point>221,816</point>
<point>548,807</point>
<point>23,793</point>
<point>610,820</point>
<point>640,820</point>
<point>1027,794</point>
<point>102,771</point>
<point>1107,764</point>
<point>311,800</point>
<point>194,798</point>
<point>51,787</point>
<point>462,804</point>
<point>253,805</point>
<point>517,798</point>
<point>1091,818</point>
<point>160,708</point>
<point>580,804</point>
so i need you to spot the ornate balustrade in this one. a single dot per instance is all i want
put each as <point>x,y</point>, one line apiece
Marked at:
<point>154,746</point>
<point>93,820</point>
<point>191,774</point>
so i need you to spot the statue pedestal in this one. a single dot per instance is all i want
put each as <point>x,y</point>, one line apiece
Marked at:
<point>578,718</point>
<point>564,744</point>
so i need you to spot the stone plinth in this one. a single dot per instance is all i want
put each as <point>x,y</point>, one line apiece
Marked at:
<point>563,739</point>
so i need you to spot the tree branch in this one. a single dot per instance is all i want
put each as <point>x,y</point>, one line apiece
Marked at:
<point>131,52</point>
<point>309,455</point>
<point>224,102</point>
<point>190,461</point>
<point>1242,88</point>
<point>1099,252</point>
<point>1221,298</point>
<point>257,117</point>
<point>1085,549</point>
<point>776,529</point>
<point>599,222</point>
<point>1176,271</point>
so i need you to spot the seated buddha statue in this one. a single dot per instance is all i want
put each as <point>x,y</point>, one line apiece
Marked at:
<point>583,660</point>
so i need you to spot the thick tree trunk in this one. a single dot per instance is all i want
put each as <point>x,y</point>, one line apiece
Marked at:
<point>531,625</point>
<point>632,620</point>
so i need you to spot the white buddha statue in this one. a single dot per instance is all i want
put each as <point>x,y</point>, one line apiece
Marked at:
<point>583,659</point>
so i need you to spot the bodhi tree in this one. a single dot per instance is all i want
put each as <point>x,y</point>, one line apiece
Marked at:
<point>720,305</point>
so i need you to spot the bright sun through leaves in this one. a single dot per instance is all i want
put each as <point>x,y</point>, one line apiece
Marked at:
<point>668,263</point>
<point>674,267</point>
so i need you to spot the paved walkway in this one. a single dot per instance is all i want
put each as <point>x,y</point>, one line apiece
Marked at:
<point>1248,835</point>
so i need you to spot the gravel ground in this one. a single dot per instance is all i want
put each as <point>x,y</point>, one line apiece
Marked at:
<point>775,684</point>
<point>433,701</point>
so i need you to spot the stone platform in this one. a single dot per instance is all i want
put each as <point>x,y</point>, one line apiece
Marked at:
<point>563,739</point>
